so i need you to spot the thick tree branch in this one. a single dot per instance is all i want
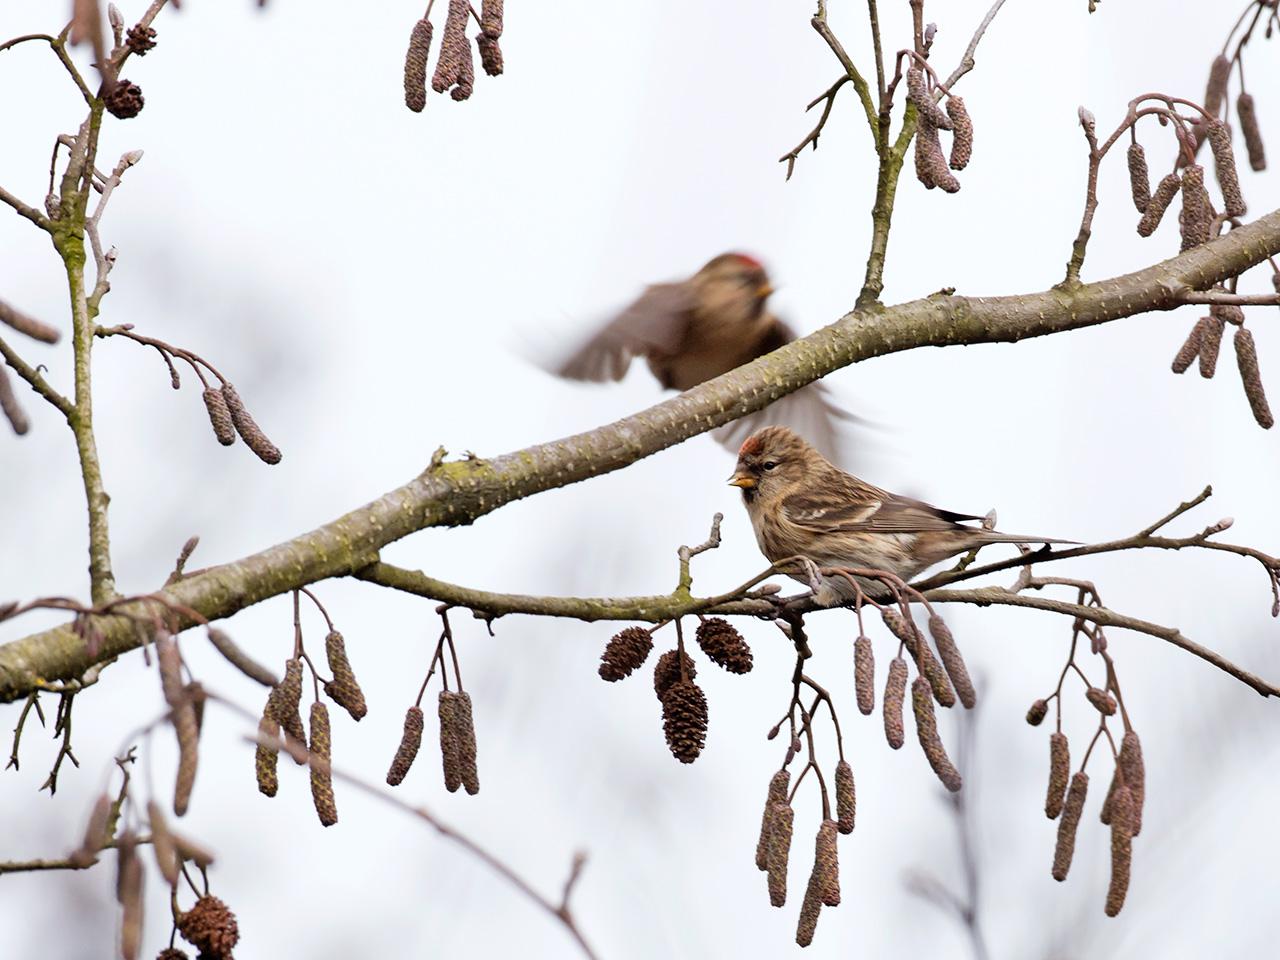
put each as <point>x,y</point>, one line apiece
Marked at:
<point>457,493</point>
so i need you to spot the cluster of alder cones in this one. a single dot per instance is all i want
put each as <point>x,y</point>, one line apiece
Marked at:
<point>684,705</point>
<point>455,68</point>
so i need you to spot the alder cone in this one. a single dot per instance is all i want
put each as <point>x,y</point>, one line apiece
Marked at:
<point>210,927</point>
<point>723,645</point>
<point>684,720</point>
<point>666,673</point>
<point>624,653</point>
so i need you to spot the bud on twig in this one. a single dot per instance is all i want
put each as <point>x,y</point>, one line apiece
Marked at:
<point>415,66</point>
<point>927,731</point>
<point>1074,807</point>
<point>1247,361</point>
<point>1102,701</point>
<point>1036,712</point>
<point>321,774</point>
<point>1059,774</point>
<point>846,798</point>
<point>410,741</point>
<point>1166,190</point>
<point>777,797</point>
<point>895,689</point>
<point>248,428</point>
<point>1252,134</point>
<point>1139,178</point>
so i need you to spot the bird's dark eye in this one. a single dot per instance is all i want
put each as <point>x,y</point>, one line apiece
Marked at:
<point>770,464</point>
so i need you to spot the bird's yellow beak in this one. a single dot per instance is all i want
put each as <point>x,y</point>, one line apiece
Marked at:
<point>744,480</point>
<point>764,290</point>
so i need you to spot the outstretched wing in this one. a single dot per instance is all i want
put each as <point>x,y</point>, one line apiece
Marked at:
<point>654,325</point>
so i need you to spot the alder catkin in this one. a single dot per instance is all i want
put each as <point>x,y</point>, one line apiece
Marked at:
<point>931,162</point>
<point>1135,776</point>
<point>864,675</point>
<point>895,689</point>
<point>183,717</point>
<point>777,797</point>
<point>283,704</point>
<point>1071,811</point>
<point>1252,134</point>
<point>343,688</point>
<point>10,406</point>
<point>962,136</point>
<point>490,55</point>
<point>927,731</point>
<point>1196,218</point>
<point>1121,849</point>
<point>266,758</point>
<point>241,660</point>
<point>410,741</point>
<point>1215,90</point>
<point>810,909</point>
<point>454,68</point>
<point>95,833</point>
<point>491,18</point>
<point>450,741</point>
<point>846,797</point>
<point>220,416</point>
<point>26,324</point>
<point>1166,190</point>
<point>415,66</point>
<point>248,428</point>
<point>321,774</point>
<point>1059,774</point>
<point>783,821</point>
<point>467,745</point>
<point>826,864</point>
<point>919,94</point>
<point>952,661</point>
<point>1139,177</point>
<point>1210,343</point>
<point>1247,361</point>
<point>129,882</point>
<point>1190,348</point>
<point>162,845</point>
<point>1224,167</point>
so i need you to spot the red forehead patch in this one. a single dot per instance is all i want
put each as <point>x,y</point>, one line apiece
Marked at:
<point>749,261</point>
<point>750,446</point>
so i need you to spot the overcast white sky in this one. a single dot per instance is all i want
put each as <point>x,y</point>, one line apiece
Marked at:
<point>371,280</point>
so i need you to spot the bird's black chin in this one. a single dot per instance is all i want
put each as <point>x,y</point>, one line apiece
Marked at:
<point>748,494</point>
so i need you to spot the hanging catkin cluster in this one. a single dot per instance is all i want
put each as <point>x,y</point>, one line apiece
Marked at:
<point>244,424</point>
<point>1204,342</point>
<point>455,66</point>
<point>933,166</point>
<point>457,742</point>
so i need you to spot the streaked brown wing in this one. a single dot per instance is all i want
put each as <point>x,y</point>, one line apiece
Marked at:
<point>867,509</point>
<point>654,325</point>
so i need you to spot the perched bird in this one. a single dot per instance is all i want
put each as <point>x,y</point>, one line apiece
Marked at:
<point>699,328</point>
<point>800,504</point>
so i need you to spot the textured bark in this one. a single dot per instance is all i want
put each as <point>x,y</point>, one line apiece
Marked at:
<point>452,494</point>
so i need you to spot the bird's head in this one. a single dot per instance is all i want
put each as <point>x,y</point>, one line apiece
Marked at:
<point>734,280</point>
<point>770,461</point>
